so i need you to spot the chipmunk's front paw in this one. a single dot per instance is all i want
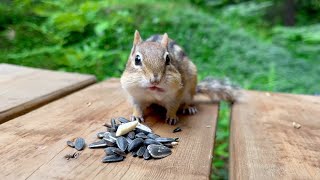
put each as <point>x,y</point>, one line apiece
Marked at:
<point>136,118</point>
<point>172,120</point>
<point>189,110</point>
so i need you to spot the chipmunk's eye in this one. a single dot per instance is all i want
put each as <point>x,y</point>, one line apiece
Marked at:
<point>137,60</point>
<point>167,59</point>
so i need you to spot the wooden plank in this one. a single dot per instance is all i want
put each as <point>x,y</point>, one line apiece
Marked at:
<point>265,145</point>
<point>23,89</point>
<point>36,149</point>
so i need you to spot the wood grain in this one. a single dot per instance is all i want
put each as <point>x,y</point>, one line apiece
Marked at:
<point>33,145</point>
<point>265,145</point>
<point>23,89</point>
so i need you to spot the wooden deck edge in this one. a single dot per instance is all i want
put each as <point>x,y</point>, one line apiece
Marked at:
<point>231,160</point>
<point>40,101</point>
<point>214,138</point>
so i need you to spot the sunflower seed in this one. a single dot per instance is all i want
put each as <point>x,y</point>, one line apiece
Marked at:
<point>144,128</point>
<point>109,150</point>
<point>131,135</point>
<point>129,140</point>
<point>159,151</point>
<point>119,152</point>
<point>125,128</point>
<point>146,155</point>
<point>152,136</point>
<point>141,135</point>
<point>100,135</point>
<point>135,144</point>
<point>113,123</point>
<point>122,143</point>
<point>141,131</point>
<point>98,144</point>
<point>70,143</point>
<point>109,136</point>
<point>79,144</point>
<point>141,151</point>
<point>178,129</point>
<point>112,158</point>
<point>169,145</point>
<point>123,120</point>
<point>165,140</point>
<point>112,129</point>
<point>134,153</point>
<point>151,141</point>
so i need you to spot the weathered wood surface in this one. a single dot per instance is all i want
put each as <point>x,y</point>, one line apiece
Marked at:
<point>264,143</point>
<point>23,89</point>
<point>33,145</point>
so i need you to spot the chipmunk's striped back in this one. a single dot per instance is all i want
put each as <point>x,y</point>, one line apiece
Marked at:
<point>173,48</point>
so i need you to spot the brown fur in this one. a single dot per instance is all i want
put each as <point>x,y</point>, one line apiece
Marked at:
<point>177,81</point>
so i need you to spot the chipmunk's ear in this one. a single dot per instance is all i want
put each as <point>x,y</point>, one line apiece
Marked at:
<point>165,40</point>
<point>137,38</point>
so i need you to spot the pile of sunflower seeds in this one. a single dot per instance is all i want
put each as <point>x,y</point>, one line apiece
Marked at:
<point>124,136</point>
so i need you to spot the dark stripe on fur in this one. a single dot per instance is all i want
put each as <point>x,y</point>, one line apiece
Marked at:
<point>155,38</point>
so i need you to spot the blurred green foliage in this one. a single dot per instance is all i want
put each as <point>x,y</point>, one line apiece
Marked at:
<point>223,38</point>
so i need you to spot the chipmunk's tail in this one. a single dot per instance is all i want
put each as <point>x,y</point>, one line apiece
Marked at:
<point>219,89</point>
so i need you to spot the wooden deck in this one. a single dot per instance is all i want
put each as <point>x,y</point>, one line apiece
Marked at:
<point>34,145</point>
<point>263,142</point>
<point>23,89</point>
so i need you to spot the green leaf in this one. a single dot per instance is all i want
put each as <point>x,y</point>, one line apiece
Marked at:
<point>68,22</point>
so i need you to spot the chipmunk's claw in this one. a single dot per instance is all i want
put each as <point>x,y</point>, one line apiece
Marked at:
<point>189,110</point>
<point>172,121</point>
<point>135,118</point>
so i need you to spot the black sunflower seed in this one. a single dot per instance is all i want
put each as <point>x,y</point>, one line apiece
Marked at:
<point>79,144</point>
<point>112,158</point>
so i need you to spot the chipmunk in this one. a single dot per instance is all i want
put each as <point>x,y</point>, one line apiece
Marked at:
<point>158,71</point>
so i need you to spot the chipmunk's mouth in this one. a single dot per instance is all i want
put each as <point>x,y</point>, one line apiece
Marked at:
<point>156,88</point>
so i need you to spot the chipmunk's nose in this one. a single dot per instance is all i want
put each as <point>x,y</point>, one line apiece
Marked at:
<point>155,79</point>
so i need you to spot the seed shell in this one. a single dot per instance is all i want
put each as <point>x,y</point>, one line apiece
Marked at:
<point>70,143</point>
<point>159,151</point>
<point>144,128</point>
<point>109,150</point>
<point>141,151</point>
<point>119,152</point>
<point>141,135</point>
<point>178,129</point>
<point>98,144</point>
<point>79,144</point>
<point>135,144</point>
<point>152,136</point>
<point>113,123</point>
<point>131,135</point>
<point>100,135</point>
<point>122,143</point>
<point>123,120</point>
<point>125,128</point>
<point>151,141</point>
<point>165,140</point>
<point>146,155</point>
<point>112,158</point>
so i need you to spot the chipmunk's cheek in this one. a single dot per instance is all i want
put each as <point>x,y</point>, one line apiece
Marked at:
<point>173,82</point>
<point>144,82</point>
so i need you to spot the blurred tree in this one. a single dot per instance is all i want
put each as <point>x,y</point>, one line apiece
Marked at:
<point>289,12</point>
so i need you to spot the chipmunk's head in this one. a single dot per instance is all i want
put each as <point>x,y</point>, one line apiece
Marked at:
<point>152,62</point>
